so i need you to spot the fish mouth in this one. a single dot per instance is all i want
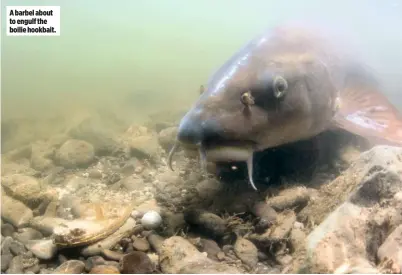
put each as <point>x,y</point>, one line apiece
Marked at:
<point>230,151</point>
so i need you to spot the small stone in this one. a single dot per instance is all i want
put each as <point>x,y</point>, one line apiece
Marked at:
<point>155,241</point>
<point>179,256</point>
<point>62,258</point>
<point>136,214</point>
<point>15,212</point>
<point>262,256</point>
<point>26,189</point>
<point>298,225</point>
<point>141,244</point>
<point>284,225</point>
<point>210,247</point>
<point>290,198</point>
<point>32,269</point>
<point>95,174</point>
<point>392,247</point>
<point>93,261</point>
<point>265,213</point>
<point>221,256</point>
<point>136,263</point>
<point>104,269</point>
<point>297,239</point>
<point>5,261</point>
<point>112,255</point>
<point>207,188</point>
<point>17,248</point>
<point>209,223</point>
<point>151,220</point>
<point>246,251</point>
<point>16,265</point>
<point>167,136</point>
<point>173,222</point>
<point>7,230</point>
<point>144,147</point>
<point>284,260</point>
<point>43,249</point>
<point>5,245</point>
<point>75,153</point>
<point>70,267</point>
<point>26,234</point>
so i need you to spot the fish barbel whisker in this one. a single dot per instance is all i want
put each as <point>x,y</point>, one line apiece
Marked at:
<point>171,153</point>
<point>250,164</point>
<point>203,158</point>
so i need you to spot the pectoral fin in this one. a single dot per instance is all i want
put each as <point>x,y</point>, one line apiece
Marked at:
<point>365,111</point>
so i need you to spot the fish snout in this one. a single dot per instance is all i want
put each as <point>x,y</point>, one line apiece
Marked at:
<point>196,132</point>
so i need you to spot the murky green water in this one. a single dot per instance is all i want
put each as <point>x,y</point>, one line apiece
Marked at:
<point>147,55</point>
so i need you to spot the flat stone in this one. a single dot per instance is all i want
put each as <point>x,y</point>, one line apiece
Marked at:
<point>15,212</point>
<point>179,256</point>
<point>43,249</point>
<point>392,247</point>
<point>141,244</point>
<point>246,251</point>
<point>70,267</point>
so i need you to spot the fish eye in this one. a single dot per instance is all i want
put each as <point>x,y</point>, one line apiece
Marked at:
<point>280,86</point>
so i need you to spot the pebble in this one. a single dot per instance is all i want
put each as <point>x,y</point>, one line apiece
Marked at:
<point>7,230</point>
<point>178,255</point>
<point>246,251</point>
<point>220,256</point>
<point>5,245</point>
<point>17,248</point>
<point>173,222</point>
<point>210,247</point>
<point>290,198</point>
<point>15,212</point>
<point>16,265</point>
<point>5,261</point>
<point>284,260</point>
<point>75,153</point>
<point>70,267</point>
<point>297,239</point>
<point>95,174</point>
<point>32,269</point>
<point>141,244</point>
<point>392,247</point>
<point>26,189</point>
<point>206,222</point>
<point>104,269</point>
<point>62,258</point>
<point>43,249</point>
<point>94,261</point>
<point>265,213</point>
<point>26,234</point>
<point>136,263</point>
<point>284,226</point>
<point>155,241</point>
<point>151,220</point>
<point>112,255</point>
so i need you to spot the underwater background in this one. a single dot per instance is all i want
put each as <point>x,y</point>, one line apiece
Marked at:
<point>88,119</point>
<point>133,58</point>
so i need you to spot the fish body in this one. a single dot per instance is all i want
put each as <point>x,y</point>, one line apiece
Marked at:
<point>289,84</point>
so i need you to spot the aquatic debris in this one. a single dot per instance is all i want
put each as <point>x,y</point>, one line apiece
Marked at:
<point>83,232</point>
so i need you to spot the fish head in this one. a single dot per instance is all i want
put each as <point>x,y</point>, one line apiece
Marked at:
<point>278,89</point>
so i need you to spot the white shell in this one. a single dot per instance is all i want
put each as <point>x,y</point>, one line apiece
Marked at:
<point>151,220</point>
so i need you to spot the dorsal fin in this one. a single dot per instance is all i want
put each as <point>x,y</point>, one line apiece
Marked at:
<point>364,110</point>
